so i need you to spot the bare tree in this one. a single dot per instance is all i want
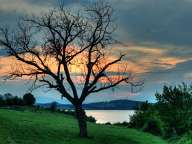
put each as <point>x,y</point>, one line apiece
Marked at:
<point>52,46</point>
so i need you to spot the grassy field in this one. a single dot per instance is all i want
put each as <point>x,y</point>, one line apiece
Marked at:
<point>27,127</point>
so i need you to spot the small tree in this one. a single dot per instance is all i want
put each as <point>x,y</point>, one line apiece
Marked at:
<point>29,99</point>
<point>18,101</point>
<point>8,97</point>
<point>73,51</point>
<point>148,119</point>
<point>175,106</point>
<point>170,116</point>
<point>2,101</point>
<point>53,106</point>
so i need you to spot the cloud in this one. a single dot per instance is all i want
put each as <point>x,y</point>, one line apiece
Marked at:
<point>164,22</point>
<point>138,60</point>
<point>161,22</point>
<point>145,59</point>
<point>159,34</point>
<point>22,7</point>
<point>188,76</point>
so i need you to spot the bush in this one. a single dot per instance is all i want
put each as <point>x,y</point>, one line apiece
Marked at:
<point>9,101</point>
<point>154,124</point>
<point>171,116</point>
<point>175,108</point>
<point>29,99</point>
<point>123,124</point>
<point>2,102</point>
<point>108,123</point>
<point>91,119</point>
<point>148,121</point>
<point>53,106</point>
<point>17,101</point>
<point>185,139</point>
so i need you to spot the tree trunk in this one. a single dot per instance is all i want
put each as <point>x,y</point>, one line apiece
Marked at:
<point>81,118</point>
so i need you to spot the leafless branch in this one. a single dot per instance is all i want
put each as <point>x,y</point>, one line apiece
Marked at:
<point>67,37</point>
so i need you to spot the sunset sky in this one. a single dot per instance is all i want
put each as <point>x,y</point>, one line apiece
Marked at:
<point>157,37</point>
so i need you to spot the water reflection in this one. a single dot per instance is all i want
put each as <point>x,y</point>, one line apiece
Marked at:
<point>112,116</point>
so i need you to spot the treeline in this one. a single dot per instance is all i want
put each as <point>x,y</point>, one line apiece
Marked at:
<point>10,100</point>
<point>170,117</point>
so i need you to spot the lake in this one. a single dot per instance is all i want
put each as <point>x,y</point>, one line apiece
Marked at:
<point>112,116</point>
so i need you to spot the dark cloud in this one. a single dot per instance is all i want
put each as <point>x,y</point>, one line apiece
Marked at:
<point>54,3</point>
<point>164,21</point>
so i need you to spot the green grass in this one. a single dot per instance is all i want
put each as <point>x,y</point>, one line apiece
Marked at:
<point>27,127</point>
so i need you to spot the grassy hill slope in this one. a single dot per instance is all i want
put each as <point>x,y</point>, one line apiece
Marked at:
<point>26,127</point>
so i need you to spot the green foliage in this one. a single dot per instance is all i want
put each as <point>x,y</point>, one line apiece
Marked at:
<point>18,101</point>
<point>44,127</point>
<point>10,100</point>
<point>148,120</point>
<point>29,99</point>
<point>91,119</point>
<point>2,102</point>
<point>185,139</point>
<point>53,106</point>
<point>171,116</point>
<point>123,124</point>
<point>175,107</point>
<point>154,124</point>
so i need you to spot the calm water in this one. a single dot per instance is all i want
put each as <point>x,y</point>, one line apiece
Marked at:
<point>112,116</point>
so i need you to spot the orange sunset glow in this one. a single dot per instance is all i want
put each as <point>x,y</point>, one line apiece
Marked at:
<point>150,58</point>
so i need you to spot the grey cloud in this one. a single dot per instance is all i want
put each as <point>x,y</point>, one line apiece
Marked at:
<point>164,22</point>
<point>155,80</point>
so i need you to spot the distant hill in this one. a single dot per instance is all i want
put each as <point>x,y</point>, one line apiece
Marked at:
<point>110,105</point>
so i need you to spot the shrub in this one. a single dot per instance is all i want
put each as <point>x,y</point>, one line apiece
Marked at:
<point>148,121</point>
<point>185,139</point>
<point>2,102</point>
<point>53,106</point>
<point>17,101</point>
<point>175,108</point>
<point>154,124</point>
<point>9,102</point>
<point>91,119</point>
<point>123,124</point>
<point>171,116</point>
<point>108,123</point>
<point>29,99</point>
<point>138,119</point>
